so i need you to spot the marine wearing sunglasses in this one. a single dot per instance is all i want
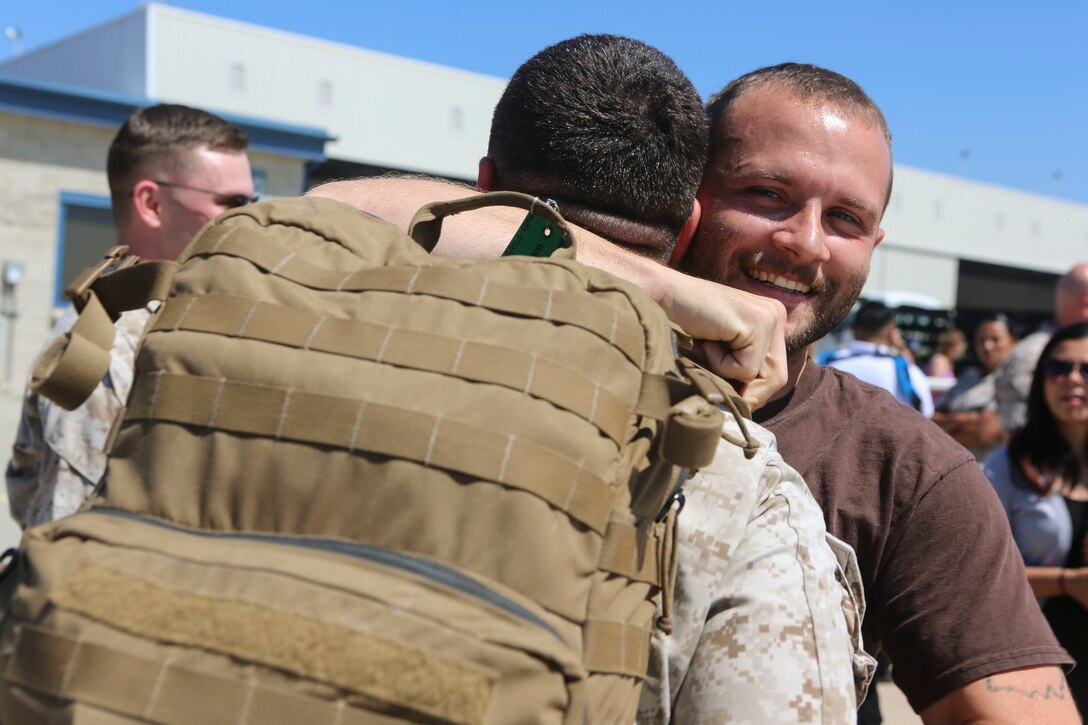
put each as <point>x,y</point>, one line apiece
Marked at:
<point>230,201</point>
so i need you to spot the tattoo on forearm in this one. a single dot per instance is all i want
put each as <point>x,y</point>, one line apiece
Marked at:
<point>1050,692</point>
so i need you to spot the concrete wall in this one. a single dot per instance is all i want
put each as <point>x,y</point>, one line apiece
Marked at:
<point>39,158</point>
<point>950,217</point>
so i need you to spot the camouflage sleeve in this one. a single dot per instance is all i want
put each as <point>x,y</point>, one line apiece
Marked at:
<point>1012,380</point>
<point>60,455</point>
<point>767,617</point>
<point>24,469</point>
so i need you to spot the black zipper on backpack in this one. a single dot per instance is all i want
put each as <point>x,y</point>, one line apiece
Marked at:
<point>411,563</point>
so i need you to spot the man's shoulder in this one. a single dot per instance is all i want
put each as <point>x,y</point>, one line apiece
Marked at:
<point>834,404</point>
<point>1026,353</point>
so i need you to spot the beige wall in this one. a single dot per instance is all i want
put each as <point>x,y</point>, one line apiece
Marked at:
<point>41,158</point>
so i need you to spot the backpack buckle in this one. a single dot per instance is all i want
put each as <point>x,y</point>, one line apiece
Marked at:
<point>116,258</point>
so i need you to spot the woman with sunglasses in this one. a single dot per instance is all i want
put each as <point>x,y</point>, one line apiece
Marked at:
<point>1041,477</point>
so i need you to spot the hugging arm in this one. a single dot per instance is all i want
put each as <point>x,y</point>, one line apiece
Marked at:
<point>741,334</point>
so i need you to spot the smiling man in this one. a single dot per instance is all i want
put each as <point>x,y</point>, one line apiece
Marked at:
<point>799,175</point>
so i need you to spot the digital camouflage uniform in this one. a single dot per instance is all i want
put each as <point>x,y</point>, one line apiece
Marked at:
<point>767,617</point>
<point>1012,379</point>
<point>59,455</point>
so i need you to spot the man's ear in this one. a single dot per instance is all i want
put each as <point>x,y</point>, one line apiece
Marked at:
<point>486,176</point>
<point>683,239</point>
<point>879,238</point>
<point>147,203</point>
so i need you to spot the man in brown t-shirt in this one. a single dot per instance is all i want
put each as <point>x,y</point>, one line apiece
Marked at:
<point>793,195</point>
<point>799,176</point>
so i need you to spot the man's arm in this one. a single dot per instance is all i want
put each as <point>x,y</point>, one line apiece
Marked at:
<point>973,428</point>
<point>23,473</point>
<point>742,333</point>
<point>1036,695</point>
<point>764,629</point>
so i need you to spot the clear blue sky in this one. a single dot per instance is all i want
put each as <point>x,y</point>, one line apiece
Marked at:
<point>1002,83</point>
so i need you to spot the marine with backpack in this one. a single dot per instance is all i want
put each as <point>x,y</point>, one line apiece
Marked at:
<point>357,483</point>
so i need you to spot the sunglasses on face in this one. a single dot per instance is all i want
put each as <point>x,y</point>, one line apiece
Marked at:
<point>1054,368</point>
<point>231,201</point>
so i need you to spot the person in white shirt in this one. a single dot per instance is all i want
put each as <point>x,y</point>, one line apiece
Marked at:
<point>874,357</point>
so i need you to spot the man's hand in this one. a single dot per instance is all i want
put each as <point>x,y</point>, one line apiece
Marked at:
<point>1037,695</point>
<point>755,354</point>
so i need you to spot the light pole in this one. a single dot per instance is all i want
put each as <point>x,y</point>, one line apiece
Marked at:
<point>15,35</point>
<point>11,274</point>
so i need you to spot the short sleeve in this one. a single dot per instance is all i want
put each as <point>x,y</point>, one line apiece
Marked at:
<point>954,583</point>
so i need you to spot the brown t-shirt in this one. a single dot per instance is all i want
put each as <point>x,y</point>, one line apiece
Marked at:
<point>946,592</point>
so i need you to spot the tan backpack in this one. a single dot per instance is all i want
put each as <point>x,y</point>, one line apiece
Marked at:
<point>355,483</point>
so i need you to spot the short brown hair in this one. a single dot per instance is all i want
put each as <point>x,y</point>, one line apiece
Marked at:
<point>160,136</point>
<point>605,122</point>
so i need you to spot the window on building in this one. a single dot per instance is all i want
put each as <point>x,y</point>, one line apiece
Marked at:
<point>324,94</point>
<point>237,77</point>
<point>86,232</point>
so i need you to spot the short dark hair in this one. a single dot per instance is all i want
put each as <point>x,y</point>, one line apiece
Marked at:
<point>605,122</point>
<point>159,137</point>
<point>1039,441</point>
<point>872,317</point>
<point>805,81</point>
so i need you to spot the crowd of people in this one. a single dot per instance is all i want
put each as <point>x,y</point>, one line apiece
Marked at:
<point>857,525</point>
<point>1039,463</point>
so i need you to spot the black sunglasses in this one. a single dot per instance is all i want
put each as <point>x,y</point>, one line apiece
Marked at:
<point>232,201</point>
<point>1055,368</point>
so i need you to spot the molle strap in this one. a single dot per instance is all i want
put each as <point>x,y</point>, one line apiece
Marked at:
<point>161,691</point>
<point>465,284</point>
<point>415,349</point>
<point>665,535</point>
<point>692,430</point>
<point>616,648</point>
<point>134,287</point>
<point>73,364</point>
<point>629,552</point>
<point>281,413</point>
<point>659,393</point>
<point>426,225</point>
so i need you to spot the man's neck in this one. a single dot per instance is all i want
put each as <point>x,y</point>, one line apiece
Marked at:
<point>795,365</point>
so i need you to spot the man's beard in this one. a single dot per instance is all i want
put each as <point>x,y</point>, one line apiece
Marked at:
<point>831,303</point>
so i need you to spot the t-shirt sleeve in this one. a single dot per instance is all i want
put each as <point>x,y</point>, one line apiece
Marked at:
<point>957,605</point>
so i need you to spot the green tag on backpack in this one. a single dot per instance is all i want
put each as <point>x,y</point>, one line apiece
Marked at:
<point>536,237</point>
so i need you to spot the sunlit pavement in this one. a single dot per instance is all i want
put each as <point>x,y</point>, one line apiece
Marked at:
<point>893,706</point>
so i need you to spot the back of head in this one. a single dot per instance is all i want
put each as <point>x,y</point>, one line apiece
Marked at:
<point>1071,304</point>
<point>871,320</point>
<point>156,140</point>
<point>603,122</point>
